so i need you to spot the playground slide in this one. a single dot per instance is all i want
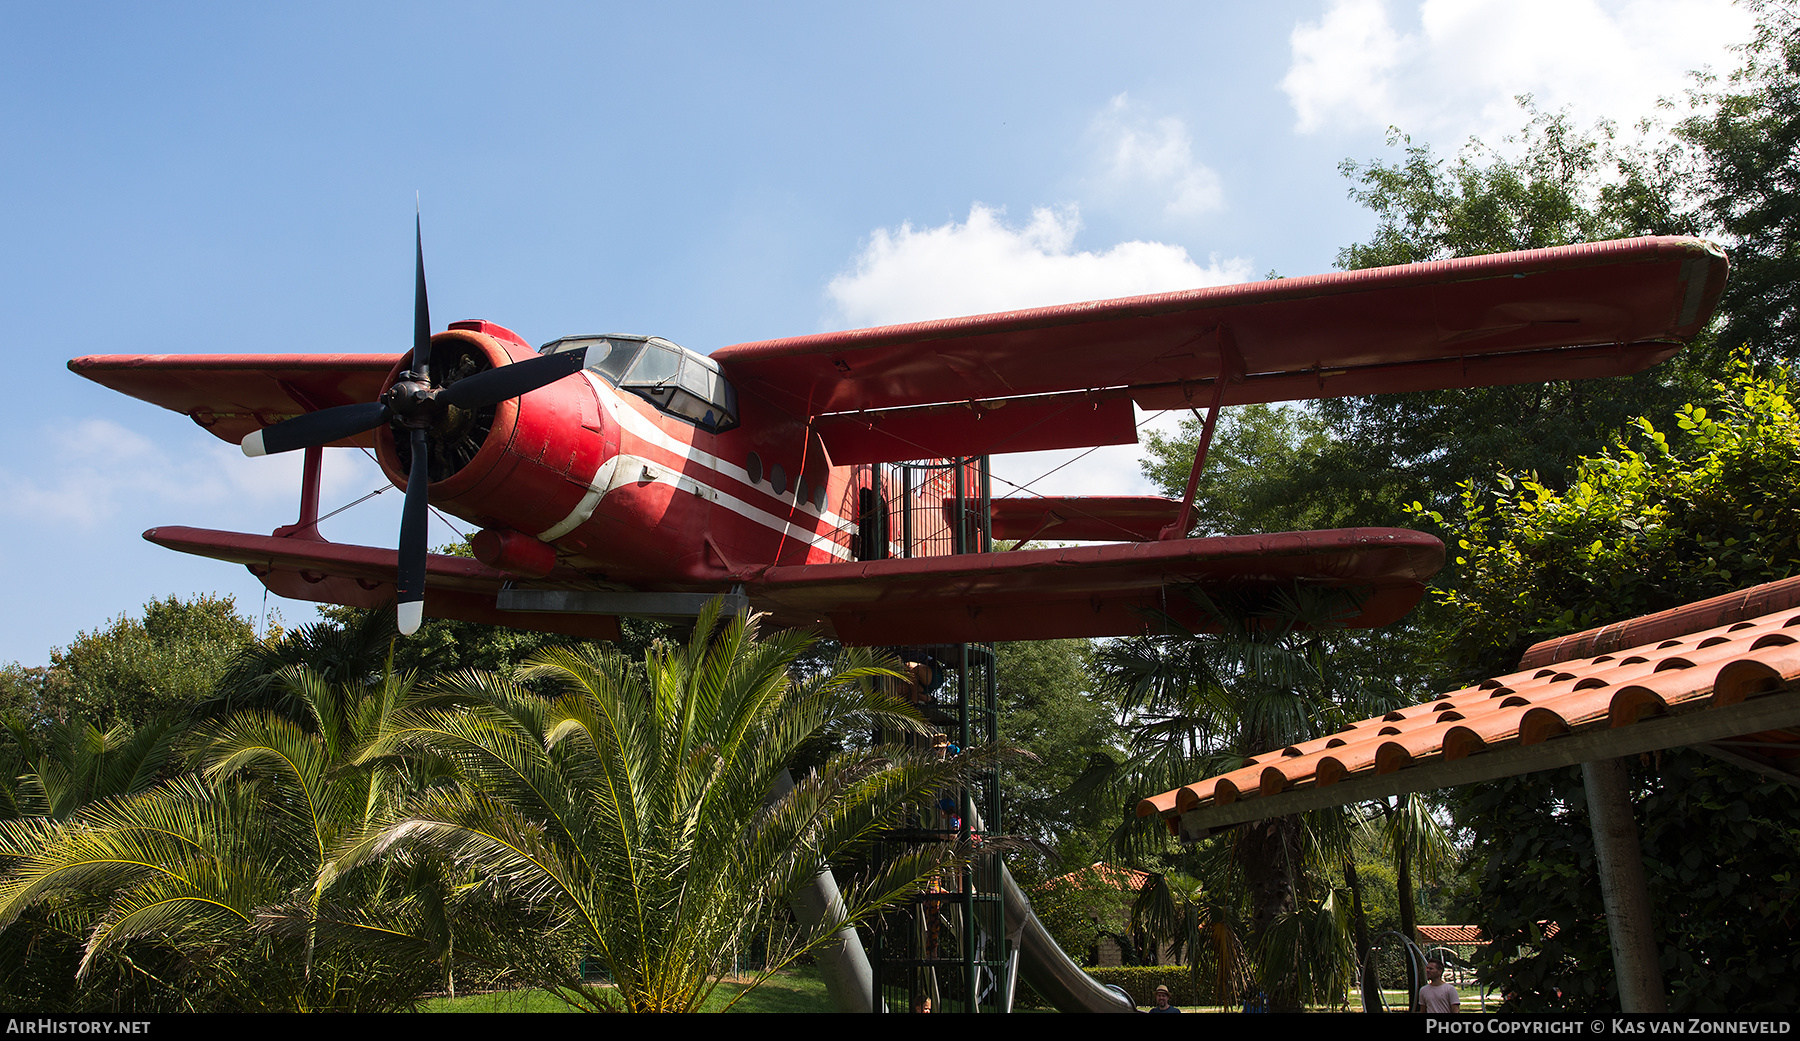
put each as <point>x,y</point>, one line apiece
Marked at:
<point>851,981</point>
<point>1049,971</point>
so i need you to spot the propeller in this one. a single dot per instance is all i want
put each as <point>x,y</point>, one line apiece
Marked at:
<point>421,407</point>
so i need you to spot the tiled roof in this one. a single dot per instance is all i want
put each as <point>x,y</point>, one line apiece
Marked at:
<point>1448,934</point>
<point>1110,874</point>
<point>1734,684</point>
<point>1664,625</point>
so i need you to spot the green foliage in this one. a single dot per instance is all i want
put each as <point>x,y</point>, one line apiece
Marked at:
<point>642,808</point>
<point>58,768</point>
<point>1748,136</point>
<point>22,690</point>
<point>228,889</point>
<point>1565,186</point>
<point>136,669</point>
<point>445,645</point>
<point>1051,712</point>
<point>1075,908</point>
<point>1719,851</point>
<point>1266,470</point>
<point>797,990</point>
<point>1308,948</point>
<point>1640,529</point>
<point>1683,516</point>
<point>1202,704</point>
<point>1141,981</point>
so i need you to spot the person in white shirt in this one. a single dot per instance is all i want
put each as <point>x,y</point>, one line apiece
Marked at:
<point>1436,995</point>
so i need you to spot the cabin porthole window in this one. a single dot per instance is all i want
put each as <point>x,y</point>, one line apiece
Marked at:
<point>753,466</point>
<point>778,479</point>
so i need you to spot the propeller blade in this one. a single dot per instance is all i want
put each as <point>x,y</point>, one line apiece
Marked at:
<point>510,381</point>
<point>413,521</point>
<point>315,428</point>
<point>421,362</point>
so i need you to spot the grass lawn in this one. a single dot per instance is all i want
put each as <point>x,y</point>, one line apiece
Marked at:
<point>800,990</point>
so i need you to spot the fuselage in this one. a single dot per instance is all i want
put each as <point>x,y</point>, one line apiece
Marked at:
<point>632,488</point>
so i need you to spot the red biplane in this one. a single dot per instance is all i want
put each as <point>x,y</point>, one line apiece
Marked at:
<point>624,475</point>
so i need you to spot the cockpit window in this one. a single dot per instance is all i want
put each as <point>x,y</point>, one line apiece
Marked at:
<point>612,359</point>
<point>656,365</point>
<point>673,378</point>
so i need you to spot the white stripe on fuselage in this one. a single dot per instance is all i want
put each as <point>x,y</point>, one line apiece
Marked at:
<point>630,469</point>
<point>635,469</point>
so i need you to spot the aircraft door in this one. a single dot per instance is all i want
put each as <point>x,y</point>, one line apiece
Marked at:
<point>872,522</point>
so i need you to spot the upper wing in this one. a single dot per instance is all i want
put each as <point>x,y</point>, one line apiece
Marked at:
<point>234,394</point>
<point>1089,590</point>
<point>1600,309</point>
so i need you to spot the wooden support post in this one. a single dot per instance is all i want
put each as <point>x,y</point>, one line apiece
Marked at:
<point>1623,890</point>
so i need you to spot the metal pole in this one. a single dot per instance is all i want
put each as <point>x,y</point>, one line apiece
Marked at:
<point>906,508</point>
<point>986,516</point>
<point>959,536</point>
<point>1622,888</point>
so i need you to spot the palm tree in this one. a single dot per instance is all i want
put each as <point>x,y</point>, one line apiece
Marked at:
<point>56,767</point>
<point>1270,676</point>
<point>230,888</point>
<point>640,803</point>
<point>1413,836</point>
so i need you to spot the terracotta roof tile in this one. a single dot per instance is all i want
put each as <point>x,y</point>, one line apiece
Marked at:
<point>1448,934</point>
<point>1673,674</point>
<point>1112,875</point>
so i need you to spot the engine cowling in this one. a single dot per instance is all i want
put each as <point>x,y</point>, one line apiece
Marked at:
<point>523,464</point>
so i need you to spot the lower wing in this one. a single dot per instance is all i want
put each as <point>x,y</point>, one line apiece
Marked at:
<point>1087,591</point>
<point>363,576</point>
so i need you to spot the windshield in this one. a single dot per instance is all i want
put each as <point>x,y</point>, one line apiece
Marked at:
<point>669,376</point>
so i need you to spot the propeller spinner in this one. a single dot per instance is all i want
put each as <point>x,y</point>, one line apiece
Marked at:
<point>422,407</point>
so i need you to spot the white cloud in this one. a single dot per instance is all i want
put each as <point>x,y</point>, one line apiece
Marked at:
<point>95,469</point>
<point>1458,70</point>
<point>1153,159</point>
<point>984,265</point>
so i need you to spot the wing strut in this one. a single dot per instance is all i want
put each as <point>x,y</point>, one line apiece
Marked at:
<point>1231,367</point>
<point>307,527</point>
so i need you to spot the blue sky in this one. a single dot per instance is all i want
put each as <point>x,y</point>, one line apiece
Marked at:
<point>189,178</point>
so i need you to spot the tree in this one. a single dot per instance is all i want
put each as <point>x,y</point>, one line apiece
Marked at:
<point>237,887</point>
<point>53,769</point>
<point>1748,138</point>
<point>1202,704</point>
<point>134,670</point>
<point>444,645</point>
<point>1348,462</point>
<point>1657,521</point>
<point>1413,838</point>
<point>1356,461</point>
<point>1053,712</point>
<point>639,807</point>
<point>1268,469</point>
<point>1566,186</point>
<point>1700,509</point>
